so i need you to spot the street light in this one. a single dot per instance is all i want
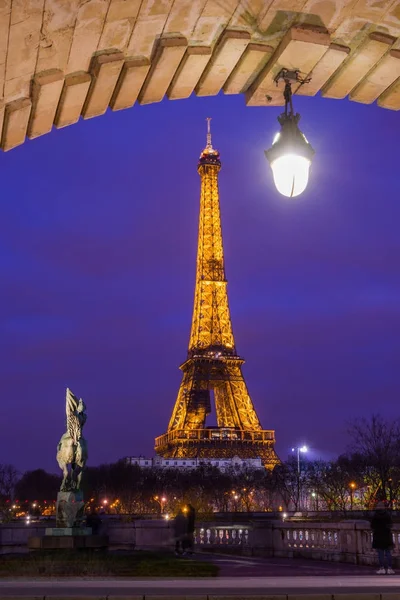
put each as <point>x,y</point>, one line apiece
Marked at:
<point>291,154</point>
<point>352,488</point>
<point>299,449</point>
<point>161,501</point>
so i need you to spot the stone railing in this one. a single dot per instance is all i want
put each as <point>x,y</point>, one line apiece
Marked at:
<point>210,535</point>
<point>346,541</point>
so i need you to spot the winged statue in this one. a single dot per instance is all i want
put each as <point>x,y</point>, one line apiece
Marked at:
<point>72,447</point>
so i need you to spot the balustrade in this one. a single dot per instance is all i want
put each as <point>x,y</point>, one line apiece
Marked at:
<point>346,540</point>
<point>344,537</point>
<point>210,535</point>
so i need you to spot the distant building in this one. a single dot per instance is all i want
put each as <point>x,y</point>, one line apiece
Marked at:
<point>158,462</point>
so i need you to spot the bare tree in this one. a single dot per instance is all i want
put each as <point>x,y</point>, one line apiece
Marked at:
<point>377,442</point>
<point>331,482</point>
<point>8,481</point>
<point>292,482</point>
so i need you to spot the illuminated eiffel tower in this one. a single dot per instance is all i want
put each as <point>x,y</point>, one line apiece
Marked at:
<point>213,365</point>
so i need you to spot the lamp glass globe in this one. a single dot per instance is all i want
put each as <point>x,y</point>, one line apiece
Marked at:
<point>291,174</point>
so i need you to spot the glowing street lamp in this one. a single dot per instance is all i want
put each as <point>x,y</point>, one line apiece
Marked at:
<point>161,501</point>
<point>299,449</point>
<point>291,154</point>
<point>352,486</point>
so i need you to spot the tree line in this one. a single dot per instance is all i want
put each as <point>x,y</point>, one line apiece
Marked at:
<point>369,471</point>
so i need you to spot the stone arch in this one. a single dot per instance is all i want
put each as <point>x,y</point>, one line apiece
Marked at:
<point>61,60</point>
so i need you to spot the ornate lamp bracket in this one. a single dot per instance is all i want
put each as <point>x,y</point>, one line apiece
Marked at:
<point>289,77</point>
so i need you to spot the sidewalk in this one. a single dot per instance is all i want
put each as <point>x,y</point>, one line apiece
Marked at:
<point>239,576</point>
<point>223,586</point>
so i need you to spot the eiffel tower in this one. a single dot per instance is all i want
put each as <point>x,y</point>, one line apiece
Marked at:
<point>213,365</point>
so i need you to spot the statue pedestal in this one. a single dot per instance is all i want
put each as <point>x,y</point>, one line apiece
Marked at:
<point>63,531</point>
<point>70,532</point>
<point>70,511</point>
<point>66,541</point>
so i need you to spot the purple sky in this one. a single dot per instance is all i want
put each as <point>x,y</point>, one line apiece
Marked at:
<point>98,234</point>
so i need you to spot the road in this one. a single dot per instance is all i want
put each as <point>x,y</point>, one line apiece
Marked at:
<point>238,576</point>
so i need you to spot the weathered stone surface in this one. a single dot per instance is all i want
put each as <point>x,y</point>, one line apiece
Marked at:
<point>214,18</point>
<point>89,25</point>
<point>68,531</point>
<point>224,59</point>
<point>70,509</point>
<point>280,15</point>
<point>46,92</point>
<point>105,72</point>
<point>301,48</point>
<point>15,124</point>
<point>56,34</point>
<point>189,72</point>
<point>391,97</point>
<point>167,57</point>
<point>20,87</point>
<point>349,47</point>
<point>148,27</point>
<point>130,82</point>
<point>323,70</point>
<point>5,15</point>
<point>72,99</point>
<point>120,20</point>
<point>2,109</point>
<point>254,58</point>
<point>23,38</point>
<point>379,79</point>
<point>183,17</point>
<point>357,66</point>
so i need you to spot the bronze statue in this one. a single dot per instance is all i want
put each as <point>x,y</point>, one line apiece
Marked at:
<point>72,448</point>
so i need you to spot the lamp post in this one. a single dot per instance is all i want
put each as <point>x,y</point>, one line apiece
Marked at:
<point>315,498</point>
<point>291,154</point>
<point>352,488</point>
<point>299,449</point>
<point>161,502</point>
<point>390,481</point>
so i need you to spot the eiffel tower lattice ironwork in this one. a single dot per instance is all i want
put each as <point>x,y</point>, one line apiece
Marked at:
<point>213,364</point>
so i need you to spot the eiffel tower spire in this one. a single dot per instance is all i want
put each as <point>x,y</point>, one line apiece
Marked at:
<point>211,323</point>
<point>212,363</point>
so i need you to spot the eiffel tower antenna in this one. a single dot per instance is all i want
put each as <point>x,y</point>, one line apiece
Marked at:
<point>212,363</point>
<point>209,143</point>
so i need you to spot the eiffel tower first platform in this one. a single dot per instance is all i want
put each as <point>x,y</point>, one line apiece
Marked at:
<point>213,366</point>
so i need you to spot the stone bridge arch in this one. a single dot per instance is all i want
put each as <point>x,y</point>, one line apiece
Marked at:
<point>65,59</point>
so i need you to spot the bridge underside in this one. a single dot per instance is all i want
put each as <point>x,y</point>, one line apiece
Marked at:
<point>63,59</point>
